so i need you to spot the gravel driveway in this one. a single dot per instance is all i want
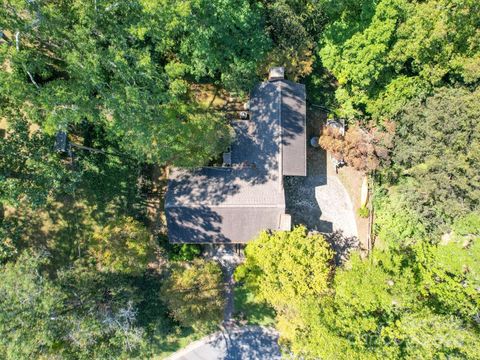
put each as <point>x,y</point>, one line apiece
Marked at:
<point>319,200</point>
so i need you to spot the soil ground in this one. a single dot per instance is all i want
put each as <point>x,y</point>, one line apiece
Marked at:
<point>352,180</point>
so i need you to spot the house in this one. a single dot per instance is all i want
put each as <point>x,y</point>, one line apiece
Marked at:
<point>234,203</point>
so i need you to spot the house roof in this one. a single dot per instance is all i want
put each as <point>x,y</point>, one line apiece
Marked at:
<point>294,143</point>
<point>233,204</point>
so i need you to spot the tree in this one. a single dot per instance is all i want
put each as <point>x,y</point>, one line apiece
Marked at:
<point>217,40</point>
<point>99,314</point>
<point>362,149</point>
<point>123,245</point>
<point>193,292</point>
<point>286,269</point>
<point>78,314</point>
<point>409,300</point>
<point>396,223</point>
<point>294,27</point>
<point>30,170</point>
<point>123,79</point>
<point>388,52</point>
<point>437,156</point>
<point>378,307</point>
<point>28,304</point>
<point>286,266</point>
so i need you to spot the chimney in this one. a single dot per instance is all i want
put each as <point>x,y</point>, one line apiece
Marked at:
<point>276,73</point>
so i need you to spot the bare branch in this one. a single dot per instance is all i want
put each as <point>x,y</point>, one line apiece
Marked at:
<point>32,80</point>
<point>17,40</point>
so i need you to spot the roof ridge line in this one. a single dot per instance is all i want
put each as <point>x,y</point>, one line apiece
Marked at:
<point>280,152</point>
<point>225,206</point>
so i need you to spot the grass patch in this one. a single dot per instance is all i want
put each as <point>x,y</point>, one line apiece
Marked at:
<point>249,309</point>
<point>164,346</point>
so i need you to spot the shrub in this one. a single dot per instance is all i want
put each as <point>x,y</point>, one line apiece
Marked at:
<point>363,212</point>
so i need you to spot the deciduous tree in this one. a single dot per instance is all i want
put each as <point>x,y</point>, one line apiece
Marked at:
<point>193,293</point>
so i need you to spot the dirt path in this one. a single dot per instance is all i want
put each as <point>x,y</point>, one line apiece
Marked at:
<point>352,181</point>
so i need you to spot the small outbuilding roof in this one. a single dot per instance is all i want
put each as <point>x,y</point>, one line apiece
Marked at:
<point>233,204</point>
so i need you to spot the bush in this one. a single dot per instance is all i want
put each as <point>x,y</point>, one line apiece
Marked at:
<point>363,212</point>
<point>179,252</point>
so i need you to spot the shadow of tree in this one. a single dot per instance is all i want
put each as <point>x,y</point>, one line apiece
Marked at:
<point>342,245</point>
<point>251,342</point>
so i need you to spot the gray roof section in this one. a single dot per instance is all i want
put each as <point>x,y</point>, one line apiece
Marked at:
<point>206,224</point>
<point>293,117</point>
<point>234,204</point>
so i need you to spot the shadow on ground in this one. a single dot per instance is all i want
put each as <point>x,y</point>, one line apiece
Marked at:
<point>300,193</point>
<point>250,343</point>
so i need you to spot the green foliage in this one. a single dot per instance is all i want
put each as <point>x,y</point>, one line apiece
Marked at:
<point>396,224</point>
<point>100,314</point>
<point>294,27</point>
<point>28,301</point>
<point>128,79</point>
<point>29,170</point>
<point>467,225</point>
<point>248,308</point>
<point>385,53</point>
<point>184,252</point>
<point>411,300</point>
<point>284,270</point>
<point>398,304</point>
<point>80,315</point>
<point>179,252</point>
<point>193,293</point>
<point>363,212</point>
<point>437,155</point>
<point>119,77</point>
<point>286,266</point>
<point>123,245</point>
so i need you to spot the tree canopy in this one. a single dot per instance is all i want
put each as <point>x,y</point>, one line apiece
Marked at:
<point>437,155</point>
<point>404,302</point>
<point>193,293</point>
<point>86,268</point>
<point>385,53</point>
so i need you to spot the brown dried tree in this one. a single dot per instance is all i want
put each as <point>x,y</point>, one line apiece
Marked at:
<point>362,148</point>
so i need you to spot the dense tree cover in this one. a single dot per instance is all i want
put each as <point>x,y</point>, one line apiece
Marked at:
<point>82,315</point>
<point>122,78</point>
<point>29,170</point>
<point>125,68</point>
<point>409,302</point>
<point>384,53</point>
<point>437,155</point>
<point>294,28</point>
<point>193,294</point>
<point>123,245</point>
<point>413,65</point>
<point>81,277</point>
